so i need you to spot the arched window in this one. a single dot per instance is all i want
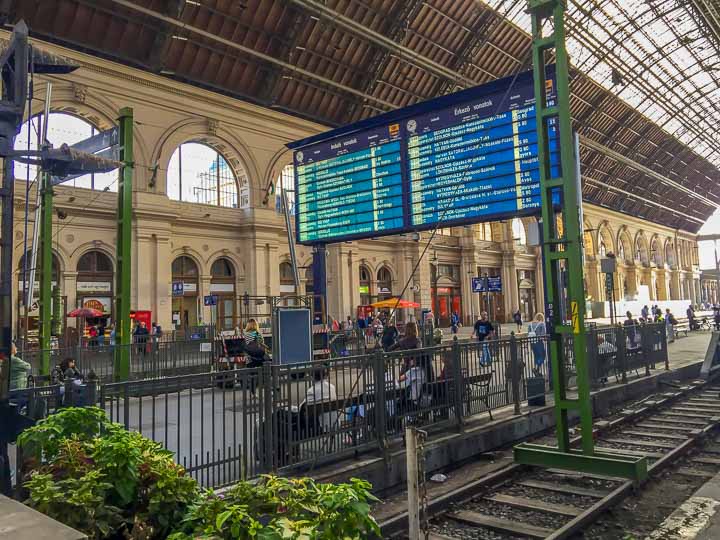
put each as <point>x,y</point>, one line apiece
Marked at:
<point>669,254</point>
<point>602,249</point>
<point>222,268</point>
<point>384,283</point>
<point>55,267</point>
<point>287,279</point>
<point>656,254</point>
<point>286,183</point>
<point>518,230</point>
<point>95,262</point>
<point>69,129</point>
<point>364,285</point>
<point>184,267</point>
<point>621,250</point>
<point>640,251</point>
<point>199,174</point>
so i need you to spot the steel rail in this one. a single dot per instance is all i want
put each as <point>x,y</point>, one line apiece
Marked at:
<point>437,506</point>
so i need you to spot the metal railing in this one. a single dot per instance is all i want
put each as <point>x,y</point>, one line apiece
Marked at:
<point>224,426</point>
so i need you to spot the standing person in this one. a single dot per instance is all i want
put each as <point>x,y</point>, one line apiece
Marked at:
<point>692,323</point>
<point>111,337</point>
<point>632,331</point>
<point>517,317</point>
<point>19,370</point>
<point>141,337</point>
<point>645,313</point>
<point>254,343</point>
<point>670,322</point>
<point>536,329</point>
<point>101,333</point>
<point>389,335</point>
<point>483,328</point>
<point>93,333</point>
<point>454,322</point>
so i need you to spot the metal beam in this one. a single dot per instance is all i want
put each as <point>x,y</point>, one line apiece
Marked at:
<point>365,33</point>
<point>158,51</point>
<point>251,52</point>
<point>589,143</point>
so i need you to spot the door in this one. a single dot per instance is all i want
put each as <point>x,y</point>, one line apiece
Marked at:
<point>226,313</point>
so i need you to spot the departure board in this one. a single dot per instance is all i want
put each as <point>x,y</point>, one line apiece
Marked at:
<point>462,158</point>
<point>350,186</point>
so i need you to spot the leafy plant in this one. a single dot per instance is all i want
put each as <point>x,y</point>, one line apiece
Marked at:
<point>101,479</point>
<point>282,508</point>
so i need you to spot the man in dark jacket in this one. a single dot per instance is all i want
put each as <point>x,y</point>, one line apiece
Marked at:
<point>483,328</point>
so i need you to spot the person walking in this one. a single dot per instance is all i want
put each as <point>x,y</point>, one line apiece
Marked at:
<point>645,313</point>
<point>517,317</point>
<point>483,328</point>
<point>692,323</point>
<point>454,322</point>
<point>389,335</point>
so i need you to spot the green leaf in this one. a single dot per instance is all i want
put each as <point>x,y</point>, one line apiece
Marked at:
<point>222,518</point>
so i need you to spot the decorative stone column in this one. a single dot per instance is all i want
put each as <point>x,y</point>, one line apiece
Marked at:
<point>70,291</point>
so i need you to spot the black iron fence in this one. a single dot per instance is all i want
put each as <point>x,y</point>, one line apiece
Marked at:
<point>227,425</point>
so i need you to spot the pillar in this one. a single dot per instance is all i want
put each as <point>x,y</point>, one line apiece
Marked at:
<point>593,281</point>
<point>70,290</point>
<point>204,286</point>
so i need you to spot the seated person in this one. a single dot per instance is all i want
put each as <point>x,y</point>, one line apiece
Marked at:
<point>322,391</point>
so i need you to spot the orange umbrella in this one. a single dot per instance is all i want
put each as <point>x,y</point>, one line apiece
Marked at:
<point>395,303</point>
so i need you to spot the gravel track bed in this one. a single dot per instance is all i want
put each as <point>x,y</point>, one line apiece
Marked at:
<point>504,511</point>
<point>553,497</point>
<point>578,481</point>
<point>649,439</point>
<point>633,447</point>
<point>454,529</point>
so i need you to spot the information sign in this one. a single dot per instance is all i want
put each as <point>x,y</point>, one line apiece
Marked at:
<point>494,284</point>
<point>462,158</point>
<point>178,288</point>
<point>210,300</point>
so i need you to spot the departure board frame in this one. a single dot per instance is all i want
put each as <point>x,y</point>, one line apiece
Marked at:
<point>367,154</point>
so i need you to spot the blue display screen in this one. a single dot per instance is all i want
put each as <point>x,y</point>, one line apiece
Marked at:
<point>462,158</point>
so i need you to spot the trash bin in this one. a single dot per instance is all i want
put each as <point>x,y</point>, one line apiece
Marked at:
<point>536,391</point>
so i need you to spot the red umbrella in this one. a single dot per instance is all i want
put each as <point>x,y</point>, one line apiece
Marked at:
<point>85,312</point>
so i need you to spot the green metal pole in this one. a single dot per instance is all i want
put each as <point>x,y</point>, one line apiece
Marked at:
<point>46,213</point>
<point>123,335</point>
<point>563,260</point>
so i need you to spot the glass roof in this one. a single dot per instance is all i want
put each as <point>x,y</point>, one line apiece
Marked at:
<point>651,53</point>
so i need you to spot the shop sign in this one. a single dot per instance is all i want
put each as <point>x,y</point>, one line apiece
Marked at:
<point>526,284</point>
<point>364,289</point>
<point>222,287</point>
<point>444,290</point>
<point>103,304</point>
<point>189,287</point>
<point>384,290</point>
<point>94,286</point>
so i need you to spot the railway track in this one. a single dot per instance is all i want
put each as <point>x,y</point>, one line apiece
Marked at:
<point>530,502</point>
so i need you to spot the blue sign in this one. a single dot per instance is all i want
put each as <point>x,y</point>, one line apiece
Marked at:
<point>462,158</point>
<point>494,284</point>
<point>211,300</point>
<point>178,288</point>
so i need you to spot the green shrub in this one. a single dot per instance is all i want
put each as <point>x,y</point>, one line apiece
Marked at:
<point>95,476</point>
<point>282,508</point>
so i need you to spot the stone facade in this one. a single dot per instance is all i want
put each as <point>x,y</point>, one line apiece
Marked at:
<point>253,240</point>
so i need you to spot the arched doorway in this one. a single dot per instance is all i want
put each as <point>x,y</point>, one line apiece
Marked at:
<point>33,309</point>
<point>384,283</point>
<point>94,288</point>
<point>364,290</point>
<point>222,284</point>
<point>184,292</point>
<point>287,279</point>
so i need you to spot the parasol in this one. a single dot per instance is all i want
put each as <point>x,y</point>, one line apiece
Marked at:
<point>85,312</point>
<point>395,303</point>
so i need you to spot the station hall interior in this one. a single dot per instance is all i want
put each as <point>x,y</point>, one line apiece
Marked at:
<point>463,250</point>
<point>213,116</point>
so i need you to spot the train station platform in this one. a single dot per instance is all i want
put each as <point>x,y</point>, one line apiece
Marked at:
<point>449,449</point>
